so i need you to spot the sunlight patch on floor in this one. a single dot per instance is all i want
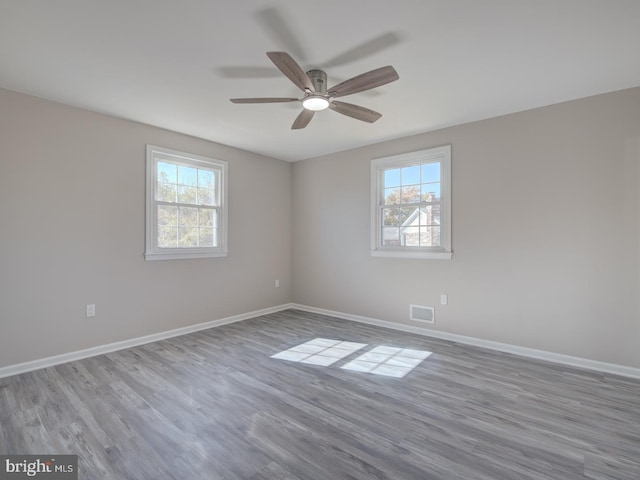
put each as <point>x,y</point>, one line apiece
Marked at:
<point>388,361</point>
<point>382,360</point>
<point>320,351</point>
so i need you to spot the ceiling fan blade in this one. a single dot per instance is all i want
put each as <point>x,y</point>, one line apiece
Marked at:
<point>355,111</point>
<point>363,50</point>
<point>277,24</point>
<point>291,70</point>
<point>262,100</point>
<point>249,72</point>
<point>303,119</point>
<point>365,81</point>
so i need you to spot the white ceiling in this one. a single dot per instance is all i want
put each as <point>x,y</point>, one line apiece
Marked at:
<point>175,63</point>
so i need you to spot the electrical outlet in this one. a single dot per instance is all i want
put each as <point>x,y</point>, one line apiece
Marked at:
<point>277,283</point>
<point>91,310</point>
<point>444,299</point>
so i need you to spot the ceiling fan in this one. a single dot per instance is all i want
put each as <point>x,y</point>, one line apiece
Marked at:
<point>316,94</point>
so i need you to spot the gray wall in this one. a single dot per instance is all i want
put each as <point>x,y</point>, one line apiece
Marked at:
<point>545,232</point>
<point>72,233</point>
<point>546,223</point>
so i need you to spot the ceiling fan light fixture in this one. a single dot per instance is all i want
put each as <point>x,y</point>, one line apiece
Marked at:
<point>315,103</point>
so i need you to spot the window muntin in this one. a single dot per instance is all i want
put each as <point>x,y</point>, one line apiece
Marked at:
<point>186,205</point>
<point>411,204</point>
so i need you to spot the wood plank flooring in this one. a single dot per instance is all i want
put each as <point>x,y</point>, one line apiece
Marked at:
<point>213,405</point>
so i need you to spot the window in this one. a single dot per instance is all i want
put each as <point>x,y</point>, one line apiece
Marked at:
<point>186,205</point>
<point>411,204</point>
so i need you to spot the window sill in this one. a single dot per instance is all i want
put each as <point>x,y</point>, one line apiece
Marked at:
<point>182,255</point>
<point>412,254</point>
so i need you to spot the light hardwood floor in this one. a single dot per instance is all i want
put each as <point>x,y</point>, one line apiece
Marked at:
<point>213,405</point>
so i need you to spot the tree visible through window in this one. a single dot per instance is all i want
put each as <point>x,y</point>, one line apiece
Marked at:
<point>185,205</point>
<point>186,200</point>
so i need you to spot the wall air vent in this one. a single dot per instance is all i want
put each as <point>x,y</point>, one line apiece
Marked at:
<point>420,313</point>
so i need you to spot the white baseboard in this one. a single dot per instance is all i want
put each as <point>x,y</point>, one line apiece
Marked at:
<point>452,337</point>
<point>133,342</point>
<point>478,342</point>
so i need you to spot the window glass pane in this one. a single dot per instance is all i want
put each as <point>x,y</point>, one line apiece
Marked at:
<point>391,236</point>
<point>187,194</point>
<point>391,217</point>
<point>206,237</point>
<point>206,196</point>
<point>417,218</point>
<point>430,172</point>
<point>166,192</point>
<point>430,192</point>
<point>397,217</point>
<point>410,194</point>
<point>435,214</point>
<point>187,175</point>
<point>167,237</point>
<point>430,215</point>
<point>206,217</point>
<point>410,236</point>
<point>392,178</point>
<point>429,236</point>
<point>206,179</point>
<point>167,216</point>
<point>188,237</point>
<point>188,217</point>
<point>411,175</point>
<point>167,172</point>
<point>409,216</point>
<point>392,196</point>
<point>215,237</point>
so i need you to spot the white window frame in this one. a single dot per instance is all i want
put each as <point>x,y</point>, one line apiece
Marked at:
<point>153,252</point>
<point>378,166</point>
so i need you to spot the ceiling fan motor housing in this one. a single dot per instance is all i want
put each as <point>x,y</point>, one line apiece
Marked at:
<point>319,80</point>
